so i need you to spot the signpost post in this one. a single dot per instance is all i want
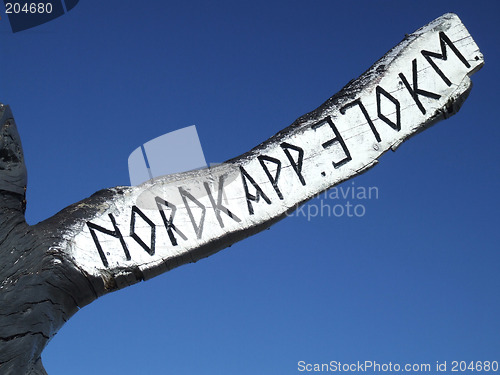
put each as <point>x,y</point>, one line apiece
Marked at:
<point>124,235</point>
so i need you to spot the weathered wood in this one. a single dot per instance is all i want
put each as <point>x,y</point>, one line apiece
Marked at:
<point>123,235</point>
<point>14,176</point>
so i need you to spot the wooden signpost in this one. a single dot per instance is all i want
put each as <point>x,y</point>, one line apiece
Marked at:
<point>123,235</point>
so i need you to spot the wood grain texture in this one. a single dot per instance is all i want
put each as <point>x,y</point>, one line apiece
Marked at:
<point>123,235</point>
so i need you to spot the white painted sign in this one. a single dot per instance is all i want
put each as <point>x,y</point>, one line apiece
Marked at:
<point>127,234</point>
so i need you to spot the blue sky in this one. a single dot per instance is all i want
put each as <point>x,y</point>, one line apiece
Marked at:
<point>414,280</point>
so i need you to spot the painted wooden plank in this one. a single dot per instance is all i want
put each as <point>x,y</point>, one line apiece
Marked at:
<point>136,233</point>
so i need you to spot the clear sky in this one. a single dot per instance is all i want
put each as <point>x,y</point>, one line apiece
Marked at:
<point>415,279</point>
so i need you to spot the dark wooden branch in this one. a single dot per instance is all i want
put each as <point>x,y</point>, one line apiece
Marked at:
<point>124,235</point>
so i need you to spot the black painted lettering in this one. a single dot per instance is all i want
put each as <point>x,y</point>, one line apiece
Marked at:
<point>151,248</point>
<point>296,164</point>
<point>169,223</point>
<point>114,233</point>
<point>218,207</point>
<point>365,113</point>
<point>272,179</point>
<point>258,191</point>
<point>197,226</point>
<point>338,139</point>
<point>444,40</point>
<point>397,125</point>
<point>415,91</point>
